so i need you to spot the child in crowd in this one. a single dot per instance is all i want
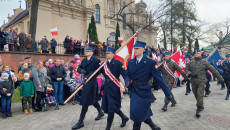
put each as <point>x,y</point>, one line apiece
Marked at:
<point>6,90</point>
<point>26,93</point>
<point>49,94</point>
<point>72,83</point>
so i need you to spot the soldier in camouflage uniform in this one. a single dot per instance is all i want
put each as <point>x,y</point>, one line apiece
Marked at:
<point>169,78</point>
<point>196,70</point>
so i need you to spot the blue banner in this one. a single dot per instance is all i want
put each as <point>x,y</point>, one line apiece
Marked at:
<point>213,59</point>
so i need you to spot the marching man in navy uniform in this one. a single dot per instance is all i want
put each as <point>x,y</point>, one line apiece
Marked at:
<point>89,95</point>
<point>139,71</point>
<point>112,93</point>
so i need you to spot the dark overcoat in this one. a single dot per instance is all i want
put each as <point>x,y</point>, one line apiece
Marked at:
<point>89,95</point>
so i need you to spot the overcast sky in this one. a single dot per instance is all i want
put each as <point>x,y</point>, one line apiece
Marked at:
<point>211,11</point>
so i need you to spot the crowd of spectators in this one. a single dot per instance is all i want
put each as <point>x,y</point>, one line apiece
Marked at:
<point>52,81</point>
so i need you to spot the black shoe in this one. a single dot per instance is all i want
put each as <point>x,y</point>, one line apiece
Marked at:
<point>227,97</point>
<point>9,114</point>
<point>37,109</point>
<point>164,108</point>
<point>199,109</point>
<point>173,104</point>
<point>78,125</point>
<point>151,124</point>
<point>100,114</point>
<point>124,120</point>
<point>4,116</point>
<point>222,88</point>
<point>186,93</point>
<point>205,95</point>
<point>108,126</point>
<point>56,107</point>
<point>62,104</point>
<point>153,98</point>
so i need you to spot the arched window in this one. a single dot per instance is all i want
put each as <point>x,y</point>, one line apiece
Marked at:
<point>97,13</point>
<point>111,8</point>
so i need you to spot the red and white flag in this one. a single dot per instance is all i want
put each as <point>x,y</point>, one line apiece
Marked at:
<point>179,59</point>
<point>88,40</point>
<point>154,57</point>
<point>54,31</point>
<point>126,53</point>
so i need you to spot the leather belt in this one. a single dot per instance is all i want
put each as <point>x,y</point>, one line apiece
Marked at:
<point>140,83</point>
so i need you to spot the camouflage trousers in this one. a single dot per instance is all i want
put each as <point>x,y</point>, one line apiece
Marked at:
<point>198,91</point>
<point>25,100</point>
<point>170,87</point>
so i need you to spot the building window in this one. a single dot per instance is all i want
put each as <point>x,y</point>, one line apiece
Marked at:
<point>111,9</point>
<point>97,13</point>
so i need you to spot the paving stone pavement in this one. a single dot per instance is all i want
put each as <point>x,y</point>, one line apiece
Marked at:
<point>216,115</point>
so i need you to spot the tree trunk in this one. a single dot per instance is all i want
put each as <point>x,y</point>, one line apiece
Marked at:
<point>33,18</point>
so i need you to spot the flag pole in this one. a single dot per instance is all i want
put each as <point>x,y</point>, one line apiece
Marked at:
<point>212,53</point>
<point>171,56</point>
<point>99,68</point>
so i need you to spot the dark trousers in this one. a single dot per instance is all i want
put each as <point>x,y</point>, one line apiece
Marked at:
<point>207,88</point>
<point>227,82</point>
<point>22,47</point>
<point>82,51</point>
<point>53,50</point>
<point>11,47</point>
<point>1,47</point>
<point>67,50</point>
<point>188,89</point>
<point>111,116</point>
<point>137,125</point>
<point>25,101</point>
<point>5,104</point>
<point>40,95</point>
<point>84,109</point>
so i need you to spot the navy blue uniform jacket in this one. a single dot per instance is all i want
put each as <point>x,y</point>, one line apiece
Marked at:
<point>111,100</point>
<point>141,96</point>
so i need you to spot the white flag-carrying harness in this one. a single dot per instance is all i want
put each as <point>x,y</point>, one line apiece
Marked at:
<point>113,78</point>
<point>170,72</point>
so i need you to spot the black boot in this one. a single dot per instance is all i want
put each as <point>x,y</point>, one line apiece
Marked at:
<point>198,110</point>
<point>124,120</point>
<point>100,114</point>
<point>151,124</point>
<point>153,98</point>
<point>79,124</point>
<point>206,94</point>
<point>56,106</point>
<point>222,88</point>
<point>108,126</point>
<point>227,97</point>
<point>186,93</point>
<point>136,126</point>
<point>164,108</point>
<point>173,103</point>
<point>9,114</point>
<point>4,116</point>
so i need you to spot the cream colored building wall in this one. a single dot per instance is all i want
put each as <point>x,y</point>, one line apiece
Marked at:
<point>74,21</point>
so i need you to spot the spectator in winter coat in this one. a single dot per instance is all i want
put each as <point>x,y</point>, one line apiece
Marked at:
<point>53,43</point>
<point>10,39</point>
<point>58,74</point>
<point>22,41</point>
<point>6,91</point>
<point>26,93</point>
<point>2,39</point>
<point>39,80</point>
<point>67,44</point>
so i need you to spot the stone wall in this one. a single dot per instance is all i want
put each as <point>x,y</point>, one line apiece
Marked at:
<point>14,59</point>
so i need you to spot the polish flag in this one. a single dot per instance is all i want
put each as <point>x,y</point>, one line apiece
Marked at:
<point>154,57</point>
<point>54,31</point>
<point>120,40</point>
<point>127,52</point>
<point>88,40</point>
<point>179,59</point>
